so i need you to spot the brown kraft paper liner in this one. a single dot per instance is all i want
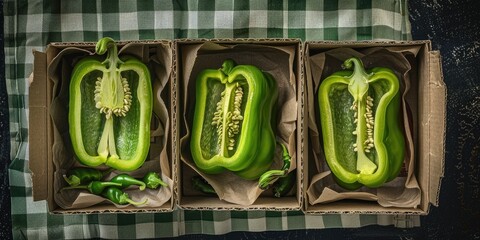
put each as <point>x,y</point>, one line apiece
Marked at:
<point>158,58</point>
<point>403,191</point>
<point>277,61</point>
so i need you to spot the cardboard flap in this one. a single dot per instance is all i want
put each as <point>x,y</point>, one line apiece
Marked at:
<point>37,136</point>
<point>437,92</point>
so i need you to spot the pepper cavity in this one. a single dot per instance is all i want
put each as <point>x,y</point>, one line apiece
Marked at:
<point>365,147</point>
<point>369,120</point>
<point>228,117</point>
<point>110,109</point>
<point>233,121</point>
<point>113,96</point>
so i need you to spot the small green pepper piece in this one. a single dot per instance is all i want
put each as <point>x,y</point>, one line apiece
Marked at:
<point>359,115</point>
<point>77,176</point>
<point>270,176</point>
<point>110,109</point>
<point>201,185</point>
<point>126,180</point>
<point>95,187</point>
<point>233,124</point>
<point>152,180</point>
<point>284,184</point>
<point>119,197</point>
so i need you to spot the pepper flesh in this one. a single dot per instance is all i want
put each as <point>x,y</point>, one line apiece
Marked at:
<point>362,137</point>
<point>110,109</point>
<point>236,134</point>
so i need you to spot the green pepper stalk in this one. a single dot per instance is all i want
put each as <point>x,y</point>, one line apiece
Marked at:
<point>77,176</point>
<point>126,180</point>
<point>359,116</point>
<point>152,180</point>
<point>233,120</point>
<point>271,176</point>
<point>95,187</point>
<point>119,197</point>
<point>284,184</point>
<point>201,185</point>
<point>110,109</point>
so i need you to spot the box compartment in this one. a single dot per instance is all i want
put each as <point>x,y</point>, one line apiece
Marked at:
<point>192,55</point>
<point>50,151</point>
<point>427,92</point>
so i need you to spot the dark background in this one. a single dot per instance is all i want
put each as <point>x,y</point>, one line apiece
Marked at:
<point>454,29</point>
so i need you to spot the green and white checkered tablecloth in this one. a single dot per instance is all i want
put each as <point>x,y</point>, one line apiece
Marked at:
<point>33,24</point>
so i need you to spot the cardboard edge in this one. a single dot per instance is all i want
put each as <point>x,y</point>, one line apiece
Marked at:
<point>306,148</point>
<point>301,130</point>
<point>175,124</point>
<point>103,209</point>
<point>37,137</point>
<point>265,204</point>
<point>367,43</point>
<point>438,96</point>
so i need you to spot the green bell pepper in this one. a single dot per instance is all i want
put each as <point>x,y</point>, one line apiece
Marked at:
<point>359,113</point>
<point>233,120</point>
<point>110,109</point>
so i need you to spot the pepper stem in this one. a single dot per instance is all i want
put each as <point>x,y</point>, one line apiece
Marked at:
<point>112,91</point>
<point>227,66</point>
<point>271,176</point>
<point>152,180</point>
<point>107,45</point>
<point>136,203</point>
<point>72,180</point>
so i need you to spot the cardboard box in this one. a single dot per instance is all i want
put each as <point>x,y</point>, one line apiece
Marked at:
<point>192,56</point>
<point>51,153</point>
<point>424,112</point>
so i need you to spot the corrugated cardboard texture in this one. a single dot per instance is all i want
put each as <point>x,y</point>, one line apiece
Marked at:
<point>38,136</point>
<point>205,202</point>
<point>437,125</point>
<point>430,132</point>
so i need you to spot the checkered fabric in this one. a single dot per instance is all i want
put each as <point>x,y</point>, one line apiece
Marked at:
<point>33,24</point>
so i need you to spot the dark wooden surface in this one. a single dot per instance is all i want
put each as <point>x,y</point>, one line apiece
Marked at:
<point>454,29</point>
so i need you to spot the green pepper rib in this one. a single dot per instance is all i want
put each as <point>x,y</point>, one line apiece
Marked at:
<point>230,133</point>
<point>110,110</point>
<point>363,141</point>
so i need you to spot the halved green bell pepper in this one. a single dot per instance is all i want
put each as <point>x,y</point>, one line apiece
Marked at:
<point>110,109</point>
<point>361,126</point>
<point>233,120</point>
